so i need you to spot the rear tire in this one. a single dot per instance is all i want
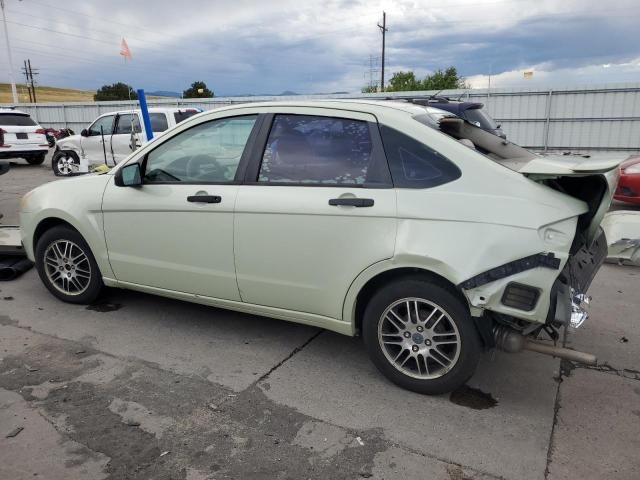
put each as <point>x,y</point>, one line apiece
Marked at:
<point>65,163</point>
<point>433,352</point>
<point>37,159</point>
<point>67,267</point>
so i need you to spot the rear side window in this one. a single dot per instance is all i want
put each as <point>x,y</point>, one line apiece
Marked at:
<point>307,149</point>
<point>15,119</point>
<point>158,122</point>
<point>413,164</point>
<point>183,115</point>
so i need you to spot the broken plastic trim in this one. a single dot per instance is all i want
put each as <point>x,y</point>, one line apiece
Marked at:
<point>546,260</point>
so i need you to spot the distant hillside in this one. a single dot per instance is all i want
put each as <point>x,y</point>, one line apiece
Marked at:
<point>163,93</point>
<point>45,94</point>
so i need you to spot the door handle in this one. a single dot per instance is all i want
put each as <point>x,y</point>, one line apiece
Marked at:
<point>204,199</point>
<point>353,202</point>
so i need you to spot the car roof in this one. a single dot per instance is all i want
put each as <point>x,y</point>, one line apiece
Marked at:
<point>364,106</point>
<point>12,110</point>
<point>152,110</point>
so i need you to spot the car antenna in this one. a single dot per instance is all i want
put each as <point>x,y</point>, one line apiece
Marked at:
<point>435,95</point>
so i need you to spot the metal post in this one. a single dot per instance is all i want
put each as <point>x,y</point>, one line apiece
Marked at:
<point>384,29</point>
<point>6,37</point>
<point>547,123</point>
<point>145,114</point>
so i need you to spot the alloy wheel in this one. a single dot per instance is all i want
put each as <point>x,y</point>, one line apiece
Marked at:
<point>419,338</point>
<point>67,267</point>
<point>66,165</point>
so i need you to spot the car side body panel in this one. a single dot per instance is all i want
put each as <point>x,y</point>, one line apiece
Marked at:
<point>82,210</point>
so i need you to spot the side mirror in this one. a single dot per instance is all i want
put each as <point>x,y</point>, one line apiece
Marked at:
<point>129,176</point>
<point>84,132</point>
<point>4,167</point>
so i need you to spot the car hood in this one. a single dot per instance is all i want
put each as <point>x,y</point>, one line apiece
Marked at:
<point>73,140</point>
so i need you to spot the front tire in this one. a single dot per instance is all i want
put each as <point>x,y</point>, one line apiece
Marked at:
<point>67,267</point>
<point>65,163</point>
<point>37,159</point>
<point>421,336</point>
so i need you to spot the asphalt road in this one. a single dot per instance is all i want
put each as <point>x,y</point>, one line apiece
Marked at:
<point>144,387</point>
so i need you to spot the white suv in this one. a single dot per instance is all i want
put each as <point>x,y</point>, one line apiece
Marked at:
<point>21,137</point>
<point>111,138</point>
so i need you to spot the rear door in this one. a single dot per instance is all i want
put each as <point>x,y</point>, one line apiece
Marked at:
<point>317,209</point>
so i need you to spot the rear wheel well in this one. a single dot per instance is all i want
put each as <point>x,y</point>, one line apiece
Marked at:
<point>375,283</point>
<point>47,224</point>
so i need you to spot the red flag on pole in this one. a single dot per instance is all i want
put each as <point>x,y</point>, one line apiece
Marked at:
<point>124,50</point>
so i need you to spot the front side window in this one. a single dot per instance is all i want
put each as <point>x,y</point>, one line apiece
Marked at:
<point>413,164</point>
<point>127,123</point>
<point>207,153</point>
<point>317,150</point>
<point>105,122</point>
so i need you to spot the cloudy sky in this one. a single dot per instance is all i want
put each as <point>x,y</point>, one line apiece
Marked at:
<point>306,46</point>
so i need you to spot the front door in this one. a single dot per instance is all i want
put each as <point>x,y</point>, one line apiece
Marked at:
<point>320,211</point>
<point>96,144</point>
<point>175,232</point>
<point>127,136</point>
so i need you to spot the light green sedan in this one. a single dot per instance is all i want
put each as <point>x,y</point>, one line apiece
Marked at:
<point>431,238</point>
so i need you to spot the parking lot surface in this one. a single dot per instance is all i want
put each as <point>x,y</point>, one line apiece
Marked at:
<point>137,386</point>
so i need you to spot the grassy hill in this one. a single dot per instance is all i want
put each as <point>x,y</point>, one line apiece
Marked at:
<point>45,94</point>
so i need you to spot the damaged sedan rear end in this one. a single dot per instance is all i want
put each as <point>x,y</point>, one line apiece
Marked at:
<point>522,301</point>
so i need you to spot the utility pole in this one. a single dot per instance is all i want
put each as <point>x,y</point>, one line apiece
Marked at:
<point>25,70</point>
<point>33,87</point>
<point>384,29</point>
<point>6,37</point>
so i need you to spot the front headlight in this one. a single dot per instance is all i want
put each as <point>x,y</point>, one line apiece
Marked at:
<point>635,168</point>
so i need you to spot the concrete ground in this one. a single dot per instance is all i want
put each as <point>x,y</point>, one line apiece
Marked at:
<point>143,387</point>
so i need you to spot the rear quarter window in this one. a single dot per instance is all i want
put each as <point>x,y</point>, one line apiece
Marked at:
<point>413,164</point>
<point>14,119</point>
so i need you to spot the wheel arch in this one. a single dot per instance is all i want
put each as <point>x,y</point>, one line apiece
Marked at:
<point>356,301</point>
<point>47,224</point>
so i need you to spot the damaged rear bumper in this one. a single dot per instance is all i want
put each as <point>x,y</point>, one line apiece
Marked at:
<point>541,288</point>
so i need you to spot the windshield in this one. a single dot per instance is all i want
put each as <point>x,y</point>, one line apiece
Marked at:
<point>480,118</point>
<point>16,119</point>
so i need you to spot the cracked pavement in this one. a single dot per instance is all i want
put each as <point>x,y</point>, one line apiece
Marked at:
<point>143,387</point>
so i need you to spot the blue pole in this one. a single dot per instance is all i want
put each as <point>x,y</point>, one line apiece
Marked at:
<point>145,114</point>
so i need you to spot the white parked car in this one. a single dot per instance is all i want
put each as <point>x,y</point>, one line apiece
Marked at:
<point>112,137</point>
<point>366,218</point>
<point>21,137</point>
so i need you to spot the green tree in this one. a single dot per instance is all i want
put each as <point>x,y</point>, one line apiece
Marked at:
<point>439,80</point>
<point>403,82</point>
<point>370,89</point>
<point>116,91</point>
<point>447,80</point>
<point>198,90</point>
